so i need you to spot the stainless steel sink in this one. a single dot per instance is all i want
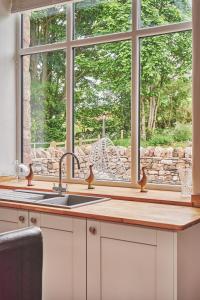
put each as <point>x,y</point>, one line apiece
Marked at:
<point>37,194</point>
<point>49,199</point>
<point>72,201</point>
<point>25,196</point>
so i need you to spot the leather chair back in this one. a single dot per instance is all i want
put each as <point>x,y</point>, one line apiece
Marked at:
<point>21,264</point>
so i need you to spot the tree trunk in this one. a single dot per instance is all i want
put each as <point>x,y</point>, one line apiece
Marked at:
<point>143,119</point>
<point>153,108</point>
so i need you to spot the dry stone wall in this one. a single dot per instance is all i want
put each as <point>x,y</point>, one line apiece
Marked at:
<point>162,163</point>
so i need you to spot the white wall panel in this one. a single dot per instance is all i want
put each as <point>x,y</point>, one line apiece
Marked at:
<point>7,89</point>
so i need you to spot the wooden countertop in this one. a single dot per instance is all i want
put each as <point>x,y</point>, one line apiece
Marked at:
<point>152,196</point>
<point>143,213</point>
<point>160,216</point>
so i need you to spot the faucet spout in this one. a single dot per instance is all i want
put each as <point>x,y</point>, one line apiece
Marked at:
<point>60,189</point>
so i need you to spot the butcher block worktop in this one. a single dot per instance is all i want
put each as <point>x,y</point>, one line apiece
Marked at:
<point>121,193</point>
<point>143,212</point>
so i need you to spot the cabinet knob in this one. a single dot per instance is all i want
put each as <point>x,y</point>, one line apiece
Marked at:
<point>33,220</point>
<point>22,219</point>
<point>92,230</point>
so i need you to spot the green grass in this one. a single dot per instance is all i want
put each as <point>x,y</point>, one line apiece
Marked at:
<point>124,143</point>
<point>146,144</point>
<point>180,136</point>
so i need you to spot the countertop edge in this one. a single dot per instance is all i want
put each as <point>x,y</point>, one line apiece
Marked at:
<point>73,213</point>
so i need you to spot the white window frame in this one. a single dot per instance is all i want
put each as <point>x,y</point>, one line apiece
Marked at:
<point>134,35</point>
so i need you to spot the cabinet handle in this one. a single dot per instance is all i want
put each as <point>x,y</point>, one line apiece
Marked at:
<point>92,230</point>
<point>22,219</point>
<point>33,220</point>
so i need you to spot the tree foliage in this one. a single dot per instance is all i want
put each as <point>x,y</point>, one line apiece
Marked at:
<point>102,73</point>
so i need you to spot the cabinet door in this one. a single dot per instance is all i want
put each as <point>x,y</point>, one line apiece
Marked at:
<point>64,256</point>
<point>11,219</point>
<point>122,263</point>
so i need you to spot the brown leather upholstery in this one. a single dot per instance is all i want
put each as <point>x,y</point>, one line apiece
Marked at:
<point>21,264</point>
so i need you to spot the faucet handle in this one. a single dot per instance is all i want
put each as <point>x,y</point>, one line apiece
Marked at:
<point>63,189</point>
<point>55,188</point>
<point>59,188</point>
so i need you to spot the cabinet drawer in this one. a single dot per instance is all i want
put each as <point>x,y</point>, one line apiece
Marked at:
<point>56,222</point>
<point>9,215</point>
<point>128,233</point>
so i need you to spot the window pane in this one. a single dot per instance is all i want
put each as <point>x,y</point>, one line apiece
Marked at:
<point>100,17</point>
<point>44,26</point>
<point>166,105</point>
<point>102,110</point>
<point>44,111</point>
<point>162,12</point>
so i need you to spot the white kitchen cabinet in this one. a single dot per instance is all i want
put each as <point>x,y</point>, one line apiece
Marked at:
<point>64,260</point>
<point>137,263</point>
<point>123,261</point>
<point>128,262</point>
<point>11,219</point>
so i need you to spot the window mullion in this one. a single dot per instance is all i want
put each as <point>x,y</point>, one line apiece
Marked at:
<point>69,89</point>
<point>135,89</point>
<point>164,29</point>
<point>102,39</point>
<point>43,48</point>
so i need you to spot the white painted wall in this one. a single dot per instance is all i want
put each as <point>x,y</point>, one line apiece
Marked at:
<point>7,89</point>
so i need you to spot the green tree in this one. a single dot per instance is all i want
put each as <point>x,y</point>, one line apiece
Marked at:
<point>102,73</point>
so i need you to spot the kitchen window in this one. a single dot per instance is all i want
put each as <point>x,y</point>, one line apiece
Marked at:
<point>110,81</point>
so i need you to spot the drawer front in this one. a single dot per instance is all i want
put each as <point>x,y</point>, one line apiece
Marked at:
<point>56,222</point>
<point>14,216</point>
<point>129,233</point>
<point>9,215</point>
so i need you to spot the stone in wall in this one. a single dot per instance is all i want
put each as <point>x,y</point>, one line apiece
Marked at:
<point>160,169</point>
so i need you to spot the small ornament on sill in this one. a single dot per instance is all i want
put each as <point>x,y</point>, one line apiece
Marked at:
<point>30,176</point>
<point>143,181</point>
<point>90,178</point>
